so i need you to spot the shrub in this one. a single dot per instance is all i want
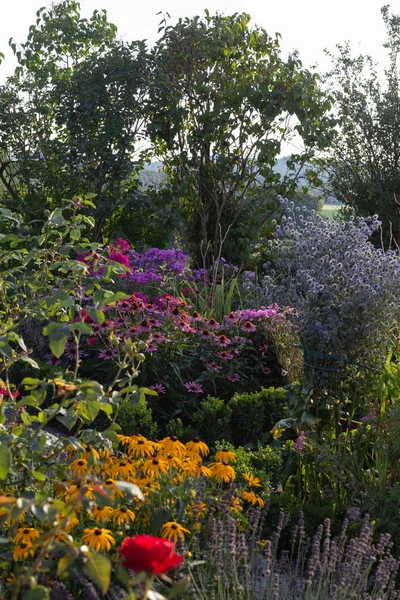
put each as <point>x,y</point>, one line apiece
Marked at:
<point>213,420</point>
<point>346,292</point>
<point>254,414</point>
<point>136,419</point>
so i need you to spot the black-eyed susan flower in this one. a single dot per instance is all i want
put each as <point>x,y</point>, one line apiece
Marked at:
<point>235,505</point>
<point>123,515</point>
<point>173,446</point>
<point>68,522</point>
<point>225,455</point>
<point>109,484</point>
<point>98,539</point>
<point>222,471</point>
<point>26,534</point>
<point>154,466</point>
<point>173,531</point>
<point>191,468</point>
<point>140,446</point>
<point>196,510</point>
<point>252,480</point>
<point>23,550</point>
<point>148,486</point>
<point>79,490</point>
<point>79,467</point>
<point>253,498</point>
<point>173,461</point>
<point>197,447</point>
<point>123,468</point>
<point>91,454</point>
<point>102,514</point>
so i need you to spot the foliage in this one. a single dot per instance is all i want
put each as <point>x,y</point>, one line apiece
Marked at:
<point>72,114</point>
<point>213,420</point>
<point>345,291</point>
<point>363,161</point>
<point>220,98</point>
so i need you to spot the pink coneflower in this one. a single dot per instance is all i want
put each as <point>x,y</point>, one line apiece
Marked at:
<point>263,349</point>
<point>212,324</point>
<point>225,355</point>
<point>193,387</point>
<point>152,347</point>
<point>196,316</point>
<point>53,360</point>
<point>108,354</point>
<point>206,334</point>
<point>248,326</point>
<point>213,366</point>
<point>106,325</point>
<point>233,377</point>
<point>267,371</point>
<point>159,388</point>
<point>231,318</point>
<point>223,341</point>
<point>158,337</point>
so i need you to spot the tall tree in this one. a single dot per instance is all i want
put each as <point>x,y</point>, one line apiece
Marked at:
<point>72,113</point>
<point>363,163</point>
<point>221,99</point>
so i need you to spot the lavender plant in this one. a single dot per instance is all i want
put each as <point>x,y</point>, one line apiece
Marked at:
<point>346,292</point>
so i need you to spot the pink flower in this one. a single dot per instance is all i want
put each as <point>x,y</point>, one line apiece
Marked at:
<point>263,349</point>
<point>234,377</point>
<point>298,446</point>
<point>159,388</point>
<point>223,341</point>
<point>193,387</point>
<point>353,513</point>
<point>92,341</point>
<point>108,354</point>
<point>226,355</point>
<point>248,326</point>
<point>152,347</point>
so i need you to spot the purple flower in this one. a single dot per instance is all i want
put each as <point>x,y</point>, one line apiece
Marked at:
<point>353,513</point>
<point>234,377</point>
<point>193,387</point>
<point>159,388</point>
<point>108,354</point>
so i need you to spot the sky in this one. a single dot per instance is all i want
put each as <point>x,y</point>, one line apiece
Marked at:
<point>306,25</point>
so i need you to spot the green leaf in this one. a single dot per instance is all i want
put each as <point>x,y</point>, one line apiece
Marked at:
<point>5,460</point>
<point>38,476</point>
<point>96,314</point>
<point>6,350</point>
<point>179,588</point>
<point>65,562</point>
<point>58,336</point>
<point>82,327</point>
<point>98,568</point>
<point>37,592</point>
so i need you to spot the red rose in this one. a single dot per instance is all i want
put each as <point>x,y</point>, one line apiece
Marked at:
<point>148,553</point>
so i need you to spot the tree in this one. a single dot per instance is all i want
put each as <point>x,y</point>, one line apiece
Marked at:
<point>363,163</point>
<point>221,99</point>
<point>72,113</point>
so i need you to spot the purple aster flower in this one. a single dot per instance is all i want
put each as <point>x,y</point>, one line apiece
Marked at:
<point>234,377</point>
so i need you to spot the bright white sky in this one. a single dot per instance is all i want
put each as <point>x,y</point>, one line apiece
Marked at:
<point>306,25</point>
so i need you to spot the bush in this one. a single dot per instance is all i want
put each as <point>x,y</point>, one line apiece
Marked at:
<point>345,291</point>
<point>254,414</point>
<point>213,420</point>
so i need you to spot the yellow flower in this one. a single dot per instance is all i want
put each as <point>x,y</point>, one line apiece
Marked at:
<point>140,446</point>
<point>102,514</point>
<point>197,447</point>
<point>78,490</point>
<point>114,490</point>
<point>123,468</point>
<point>196,511</point>
<point>252,498</point>
<point>79,467</point>
<point>192,469</point>
<point>252,480</point>
<point>148,486</point>
<point>222,471</point>
<point>173,461</point>
<point>98,539</point>
<point>123,515</point>
<point>173,446</point>
<point>91,453</point>
<point>235,505</point>
<point>22,551</point>
<point>70,522</point>
<point>225,455</point>
<point>62,536</point>
<point>155,466</point>
<point>173,531</point>
<point>26,535</point>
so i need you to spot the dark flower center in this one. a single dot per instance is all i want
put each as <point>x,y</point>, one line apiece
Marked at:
<point>155,461</point>
<point>23,546</point>
<point>97,532</point>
